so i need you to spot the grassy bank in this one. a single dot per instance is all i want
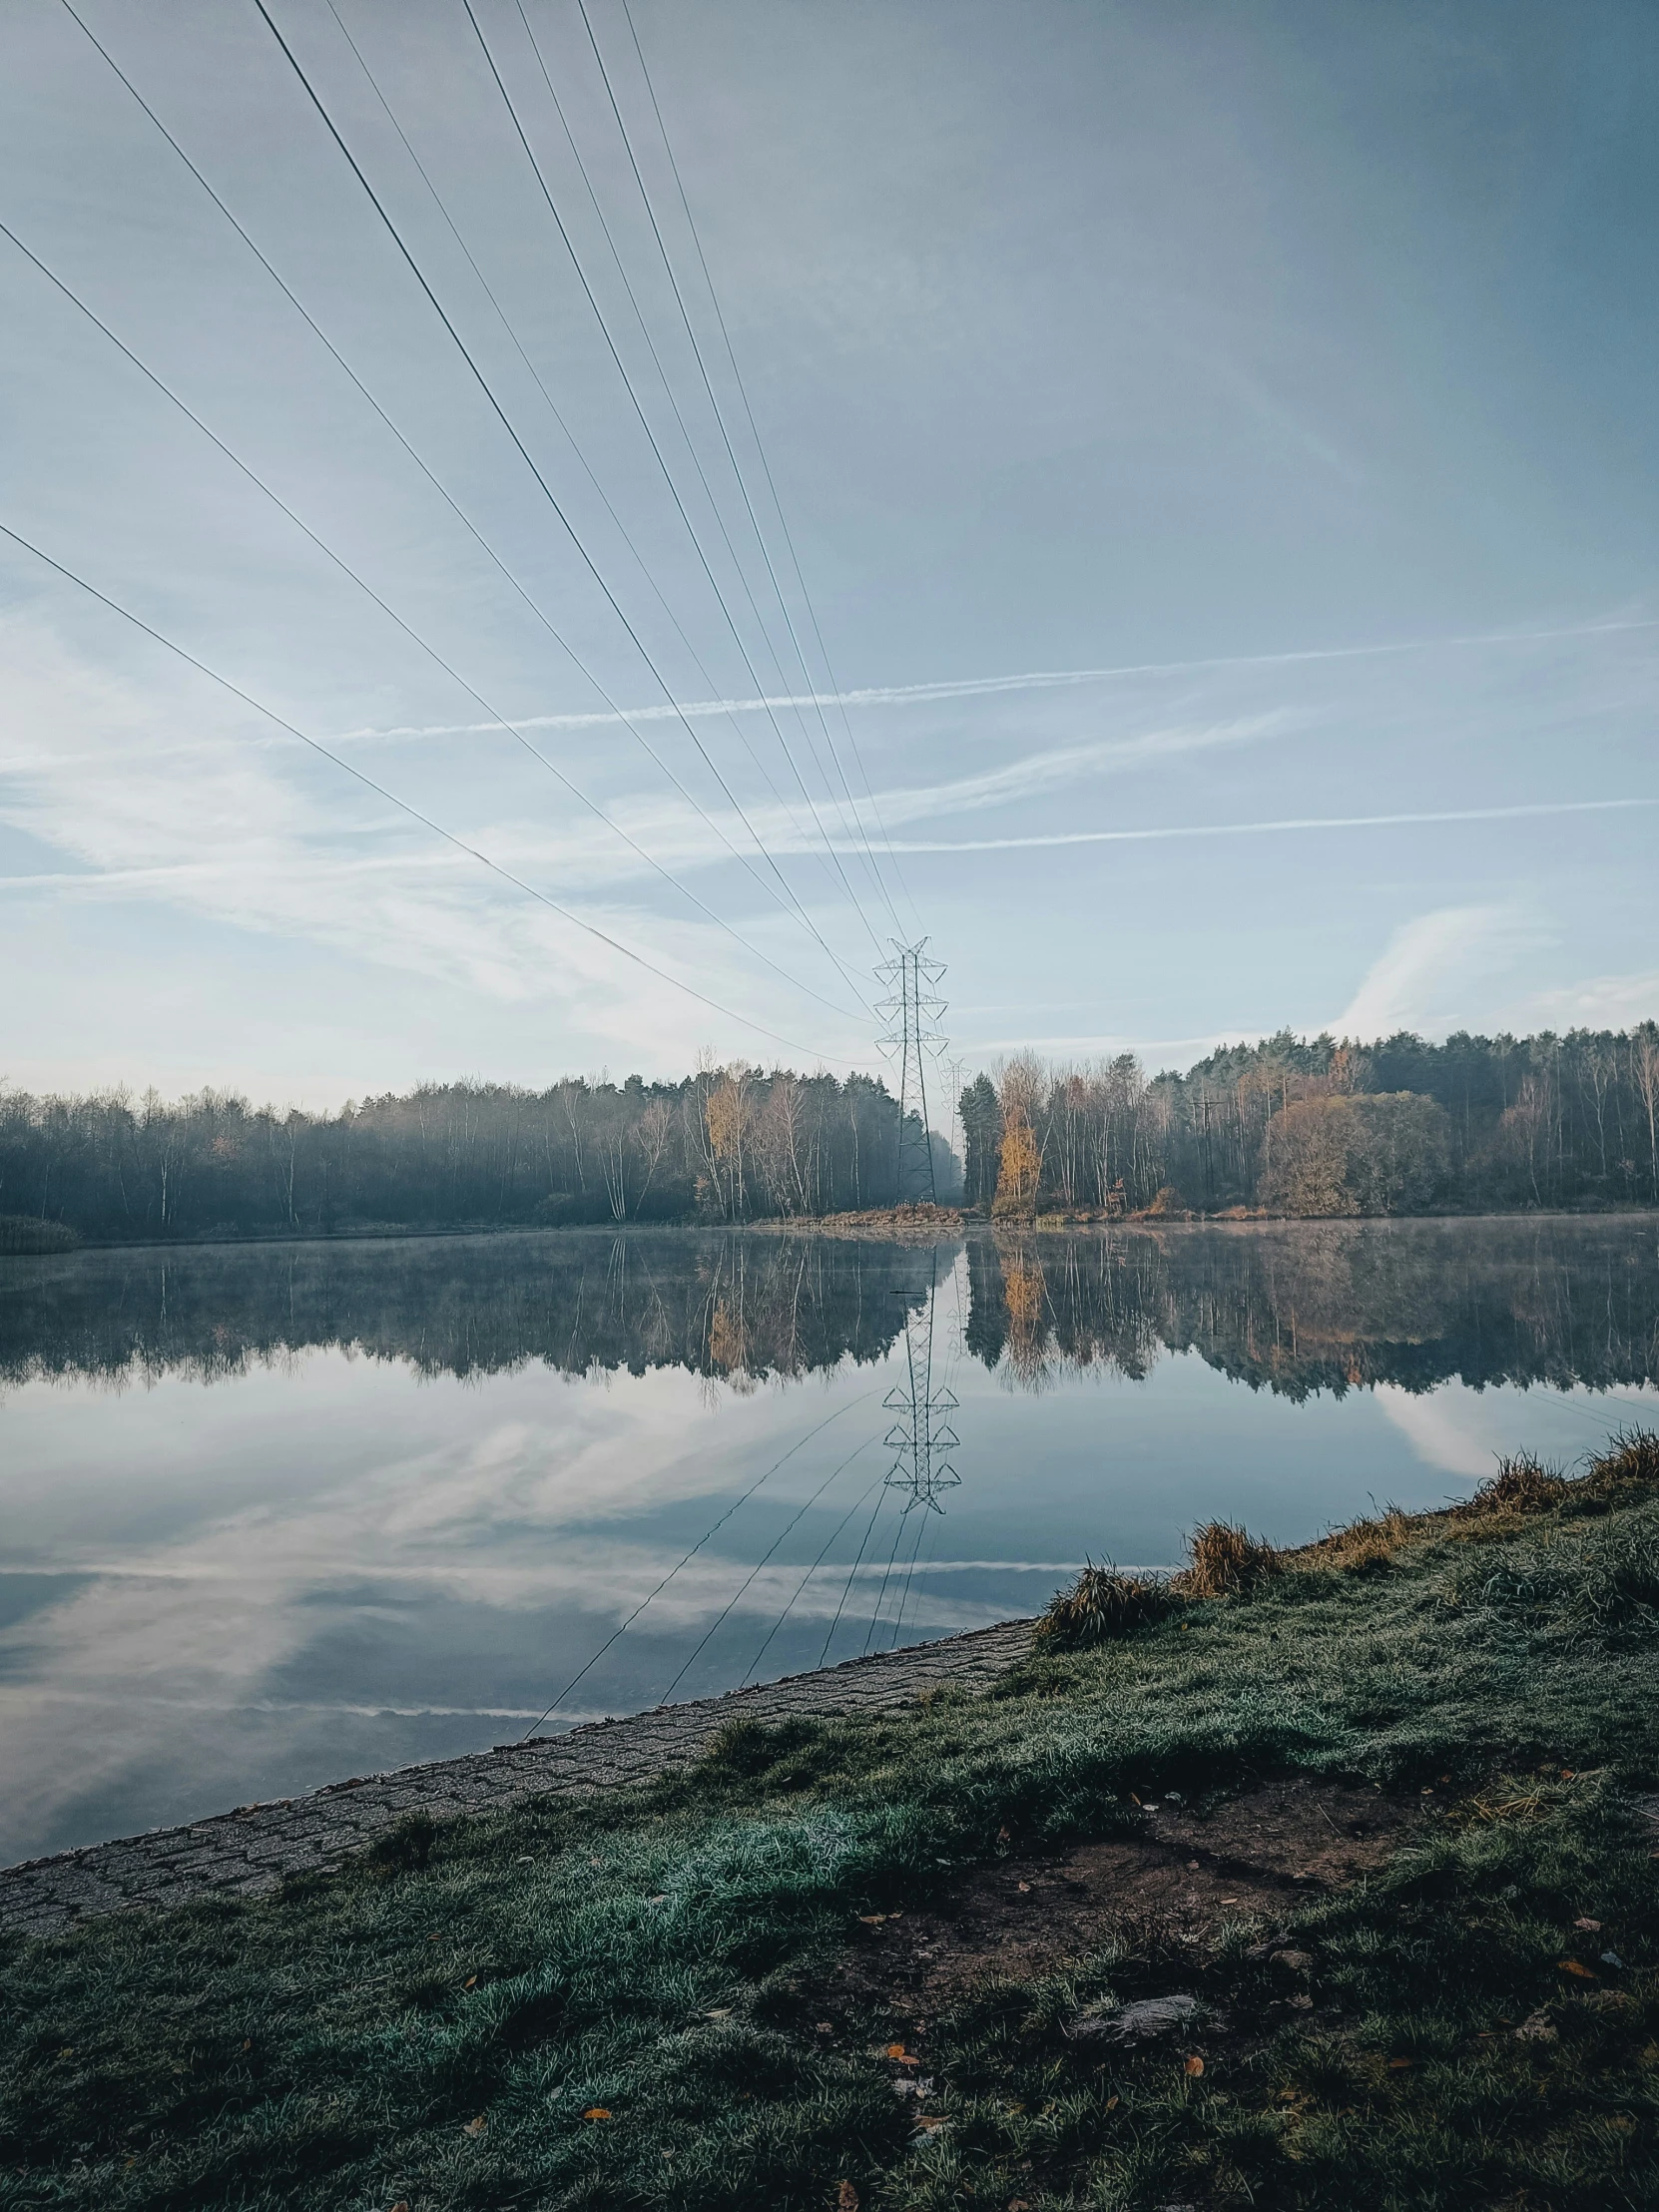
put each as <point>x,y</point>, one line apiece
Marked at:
<point>680,1997</point>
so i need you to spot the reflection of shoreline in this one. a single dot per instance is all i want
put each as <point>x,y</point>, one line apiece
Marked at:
<point>1295,1307</point>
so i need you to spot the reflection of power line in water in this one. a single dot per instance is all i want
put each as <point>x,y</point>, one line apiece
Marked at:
<point>758,1564</point>
<point>851,1571</point>
<point>754,1663</point>
<point>617,1633</point>
<point>920,1436</point>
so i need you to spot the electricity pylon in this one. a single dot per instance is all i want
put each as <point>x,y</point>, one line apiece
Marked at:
<point>912,1009</point>
<point>921,1435</point>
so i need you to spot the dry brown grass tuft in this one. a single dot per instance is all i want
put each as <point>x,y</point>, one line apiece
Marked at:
<point>1630,1460</point>
<point>1101,1606</point>
<point>1522,1485</point>
<point>1363,1545</point>
<point>1225,1561</point>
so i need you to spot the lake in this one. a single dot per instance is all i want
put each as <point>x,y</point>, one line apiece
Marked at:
<point>275,1514</point>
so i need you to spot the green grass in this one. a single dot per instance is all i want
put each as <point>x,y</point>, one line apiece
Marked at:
<point>430,2026</point>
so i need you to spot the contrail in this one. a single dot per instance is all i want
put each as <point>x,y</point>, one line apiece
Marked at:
<point>1262,829</point>
<point>981,687</point>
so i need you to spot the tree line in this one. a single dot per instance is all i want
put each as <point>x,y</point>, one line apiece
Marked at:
<point>724,1144</point>
<point>1291,1125</point>
<point>1322,1126</point>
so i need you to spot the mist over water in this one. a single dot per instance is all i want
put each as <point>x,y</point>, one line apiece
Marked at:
<point>277,1513</point>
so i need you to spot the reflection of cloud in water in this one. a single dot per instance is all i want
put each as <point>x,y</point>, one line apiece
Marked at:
<point>1465,1431</point>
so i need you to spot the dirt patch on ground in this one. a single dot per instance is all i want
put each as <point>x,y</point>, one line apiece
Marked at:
<point>1253,1855</point>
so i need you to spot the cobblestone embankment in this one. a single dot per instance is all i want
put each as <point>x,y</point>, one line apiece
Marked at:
<point>249,1852</point>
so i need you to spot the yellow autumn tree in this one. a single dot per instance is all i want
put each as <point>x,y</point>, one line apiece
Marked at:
<point>1016,1183</point>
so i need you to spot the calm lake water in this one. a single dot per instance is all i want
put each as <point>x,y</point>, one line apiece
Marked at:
<point>275,1514</point>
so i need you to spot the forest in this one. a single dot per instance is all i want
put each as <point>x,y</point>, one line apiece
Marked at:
<point>1289,1126</point>
<point>1326,1127</point>
<point>724,1144</point>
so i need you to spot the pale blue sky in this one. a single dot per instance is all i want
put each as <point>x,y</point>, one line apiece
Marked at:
<point>1280,378</point>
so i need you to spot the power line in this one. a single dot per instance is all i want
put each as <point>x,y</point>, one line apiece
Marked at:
<point>587,468</point>
<point>404,806</point>
<point>765,466</point>
<point>858,826</point>
<point>406,628</point>
<point>656,448</point>
<point>616,256</point>
<point>529,461</point>
<point>851,830</point>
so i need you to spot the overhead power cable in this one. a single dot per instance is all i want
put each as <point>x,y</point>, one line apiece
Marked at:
<point>691,447</point>
<point>766,465</point>
<point>407,629</point>
<point>697,659</point>
<point>404,806</point>
<point>546,489</point>
<point>574,443</point>
<point>455,508</point>
<point>853,823</point>
<point>656,448</point>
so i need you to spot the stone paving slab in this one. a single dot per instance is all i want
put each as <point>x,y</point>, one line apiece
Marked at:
<point>249,1852</point>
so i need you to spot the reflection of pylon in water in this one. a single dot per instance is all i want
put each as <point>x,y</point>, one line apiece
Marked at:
<point>921,1435</point>
<point>912,1008</point>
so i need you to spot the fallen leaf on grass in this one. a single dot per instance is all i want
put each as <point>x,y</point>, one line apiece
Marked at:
<point>1572,1967</point>
<point>1111,2104</point>
<point>475,2127</point>
<point>1594,1927</point>
<point>1194,2065</point>
<point>718,2013</point>
<point>596,2113</point>
<point>1398,2065</point>
<point>872,1919</point>
<point>1024,1888</point>
<point>901,2054</point>
<point>847,2198</point>
<point>471,1982</point>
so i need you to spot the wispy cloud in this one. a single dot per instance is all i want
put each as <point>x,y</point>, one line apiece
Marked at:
<point>985,687</point>
<point>1263,829</point>
<point>1425,972</point>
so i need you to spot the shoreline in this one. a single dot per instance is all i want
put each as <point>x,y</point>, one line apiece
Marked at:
<point>1295,1867</point>
<point>252,1850</point>
<point>877,1225</point>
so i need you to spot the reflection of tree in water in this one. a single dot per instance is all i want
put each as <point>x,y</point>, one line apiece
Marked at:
<point>1301,1308</point>
<point>723,1304</point>
<point>1026,1351</point>
<point>1294,1306</point>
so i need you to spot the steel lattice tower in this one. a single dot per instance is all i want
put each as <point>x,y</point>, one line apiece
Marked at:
<point>912,1008</point>
<point>922,1433</point>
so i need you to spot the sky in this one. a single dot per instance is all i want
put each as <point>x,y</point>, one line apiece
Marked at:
<point>1220,587</point>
